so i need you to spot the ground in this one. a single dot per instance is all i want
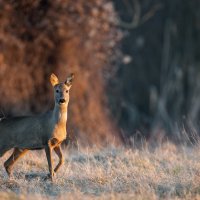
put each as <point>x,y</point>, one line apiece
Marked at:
<point>163,172</point>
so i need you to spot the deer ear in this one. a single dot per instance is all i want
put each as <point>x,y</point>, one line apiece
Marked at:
<point>54,79</point>
<point>69,80</point>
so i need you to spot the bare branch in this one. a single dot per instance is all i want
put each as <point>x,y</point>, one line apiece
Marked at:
<point>137,19</point>
<point>151,13</point>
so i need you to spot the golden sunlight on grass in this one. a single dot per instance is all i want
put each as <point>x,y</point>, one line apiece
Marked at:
<point>165,172</point>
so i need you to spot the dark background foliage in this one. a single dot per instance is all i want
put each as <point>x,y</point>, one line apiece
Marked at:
<point>136,64</point>
<point>160,87</point>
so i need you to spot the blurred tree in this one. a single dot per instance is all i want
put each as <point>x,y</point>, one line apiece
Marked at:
<point>161,88</point>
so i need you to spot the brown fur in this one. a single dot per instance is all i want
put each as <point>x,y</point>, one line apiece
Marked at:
<point>45,131</point>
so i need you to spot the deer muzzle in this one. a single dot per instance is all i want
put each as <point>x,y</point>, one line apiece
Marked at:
<point>62,101</point>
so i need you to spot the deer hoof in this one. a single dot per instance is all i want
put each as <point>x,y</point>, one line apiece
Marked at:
<point>51,177</point>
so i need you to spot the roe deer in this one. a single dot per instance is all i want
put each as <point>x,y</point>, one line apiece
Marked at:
<point>44,131</point>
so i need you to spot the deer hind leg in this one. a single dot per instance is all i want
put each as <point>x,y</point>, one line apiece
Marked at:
<point>17,153</point>
<point>58,151</point>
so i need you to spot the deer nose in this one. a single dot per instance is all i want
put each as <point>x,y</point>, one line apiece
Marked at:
<point>62,101</point>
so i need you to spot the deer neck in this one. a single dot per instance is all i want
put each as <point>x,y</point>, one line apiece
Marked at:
<point>60,114</point>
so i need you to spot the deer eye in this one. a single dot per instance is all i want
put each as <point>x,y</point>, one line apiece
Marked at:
<point>57,91</point>
<point>67,91</point>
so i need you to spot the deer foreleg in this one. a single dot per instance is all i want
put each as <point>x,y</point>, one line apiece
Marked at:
<point>48,151</point>
<point>58,151</point>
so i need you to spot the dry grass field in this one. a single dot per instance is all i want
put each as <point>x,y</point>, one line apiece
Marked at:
<point>163,172</point>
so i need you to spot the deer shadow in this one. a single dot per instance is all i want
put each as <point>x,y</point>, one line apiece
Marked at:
<point>35,175</point>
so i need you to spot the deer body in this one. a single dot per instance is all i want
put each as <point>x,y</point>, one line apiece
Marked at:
<point>45,131</point>
<point>32,131</point>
